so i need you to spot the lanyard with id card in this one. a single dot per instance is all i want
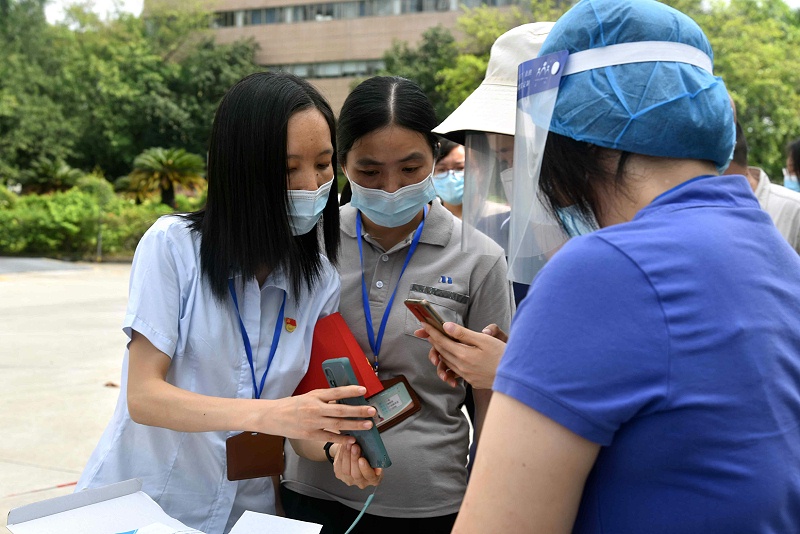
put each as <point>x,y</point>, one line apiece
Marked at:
<point>397,401</point>
<point>253,454</point>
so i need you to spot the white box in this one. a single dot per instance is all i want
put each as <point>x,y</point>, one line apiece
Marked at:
<point>123,508</point>
<point>113,509</point>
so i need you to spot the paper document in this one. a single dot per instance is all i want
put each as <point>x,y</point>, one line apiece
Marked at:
<point>161,528</point>
<point>251,522</point>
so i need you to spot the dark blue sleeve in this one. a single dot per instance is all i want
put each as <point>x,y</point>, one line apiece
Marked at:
<point>589,346</point>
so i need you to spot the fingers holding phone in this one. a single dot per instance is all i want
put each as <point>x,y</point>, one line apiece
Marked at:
<point>353,469</point>
<point>311,416</point>
<point>426,314</point>
<point>474,356</point>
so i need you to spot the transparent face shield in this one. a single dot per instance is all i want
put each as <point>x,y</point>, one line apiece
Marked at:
<point>535,232</point>
<point>486,206</point>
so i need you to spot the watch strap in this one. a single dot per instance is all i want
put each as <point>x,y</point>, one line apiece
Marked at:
<point>327,449</point>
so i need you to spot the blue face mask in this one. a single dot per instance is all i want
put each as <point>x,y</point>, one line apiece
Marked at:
<point>305,208</point>
<point>450,186</point>
<point>790,181</point>
<point>576,223</point>
<point>392,209</point>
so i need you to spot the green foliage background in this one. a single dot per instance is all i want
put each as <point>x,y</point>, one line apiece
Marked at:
<point>80,100</point>
<point>89,96</point>
<point>95,94</point>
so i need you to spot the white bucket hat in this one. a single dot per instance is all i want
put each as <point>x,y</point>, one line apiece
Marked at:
<point>492,106</point>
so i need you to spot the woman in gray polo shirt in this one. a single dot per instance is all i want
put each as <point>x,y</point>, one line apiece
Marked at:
<point>399,242</point>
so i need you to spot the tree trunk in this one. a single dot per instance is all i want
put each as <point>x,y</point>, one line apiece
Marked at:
<point>168,195</point>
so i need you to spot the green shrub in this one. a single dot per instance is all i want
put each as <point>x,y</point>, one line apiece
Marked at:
<point>96,186</point>
<point>67,224</point>
<point>7,198</point>
<point>124,224</point>
<point>185,203</point>
<point>12,236</point>
<point>61,224</point>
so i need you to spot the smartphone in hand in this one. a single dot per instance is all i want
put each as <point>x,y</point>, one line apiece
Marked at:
<point>339,372</point>
<point>425,313</point>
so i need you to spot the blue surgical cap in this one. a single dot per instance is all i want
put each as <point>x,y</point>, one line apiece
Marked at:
<point>666,109</point>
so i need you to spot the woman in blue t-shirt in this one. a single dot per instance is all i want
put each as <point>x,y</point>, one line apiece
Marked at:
<point>651,382</point>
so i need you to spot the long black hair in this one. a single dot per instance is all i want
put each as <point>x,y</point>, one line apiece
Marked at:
<point>793,150</point>
<point>245,223</point>
<point>385,101</point>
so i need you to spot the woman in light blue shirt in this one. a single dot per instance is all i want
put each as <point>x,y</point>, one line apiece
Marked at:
<point>222,309</point>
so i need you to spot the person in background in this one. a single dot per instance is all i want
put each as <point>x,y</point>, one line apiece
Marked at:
<point>651,382</point>
<point>208,356</point>
<point>782,204</point>
<point>485,122</point>
<point>790,172</point>
<point>448,175</point>
<point>399,242</point>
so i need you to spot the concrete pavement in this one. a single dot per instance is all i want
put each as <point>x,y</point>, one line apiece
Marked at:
<point>60,346</point>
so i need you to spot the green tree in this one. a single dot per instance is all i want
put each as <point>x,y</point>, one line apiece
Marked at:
<point>756,47</point>
<point>160,169</point>
<point>33,125</point>
<point>206,72</point>
<point>481,26</point>
<point>435,52</point>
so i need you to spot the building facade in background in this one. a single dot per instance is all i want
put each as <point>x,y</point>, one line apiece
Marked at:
<point>332,43</point>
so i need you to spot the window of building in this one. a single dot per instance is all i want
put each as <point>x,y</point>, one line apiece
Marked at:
<point>255,16</point>
<point>273,15</point>
<point>333,69</point>
<point>348,10</point>
<point>343,10</point>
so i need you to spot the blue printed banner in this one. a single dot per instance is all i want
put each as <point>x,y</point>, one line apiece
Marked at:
<point>540,74</point>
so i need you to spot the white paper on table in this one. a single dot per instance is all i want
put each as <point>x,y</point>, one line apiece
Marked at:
<point>254,522</point>
<point>122,514</point>
<point>161,528</point>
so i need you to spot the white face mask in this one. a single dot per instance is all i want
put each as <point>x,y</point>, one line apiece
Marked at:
<point>392,210</point>
<point>305,208</point>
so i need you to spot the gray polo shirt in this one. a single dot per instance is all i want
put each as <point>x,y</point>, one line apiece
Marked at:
<point>429,450</point>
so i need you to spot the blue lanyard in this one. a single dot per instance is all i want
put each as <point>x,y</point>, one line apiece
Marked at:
<point>276,336</point>
<point>374,344</point>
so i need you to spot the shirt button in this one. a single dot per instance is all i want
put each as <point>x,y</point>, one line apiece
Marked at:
<point>379,284</point>
<point>385,257</point>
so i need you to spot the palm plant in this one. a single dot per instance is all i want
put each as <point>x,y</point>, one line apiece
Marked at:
<point>46,175</point>
<point>161,169</point>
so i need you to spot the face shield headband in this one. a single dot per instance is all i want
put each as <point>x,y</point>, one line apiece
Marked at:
<point>535,231</point>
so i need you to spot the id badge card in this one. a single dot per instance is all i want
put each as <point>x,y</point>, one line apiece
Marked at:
<point>397,402</point>
<point>254,455</point>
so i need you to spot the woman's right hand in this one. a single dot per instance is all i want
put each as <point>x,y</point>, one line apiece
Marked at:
<point>352,468</point>
<point>316,416</point>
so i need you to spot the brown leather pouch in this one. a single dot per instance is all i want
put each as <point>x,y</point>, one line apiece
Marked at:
<point>254,455</point>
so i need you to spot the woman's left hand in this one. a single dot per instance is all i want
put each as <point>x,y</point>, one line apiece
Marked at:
<point>353,469</point>
<point>474,356</point>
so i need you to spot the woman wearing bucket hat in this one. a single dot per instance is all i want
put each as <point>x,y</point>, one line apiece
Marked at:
<point>651,382</point>
<point>485,124</point>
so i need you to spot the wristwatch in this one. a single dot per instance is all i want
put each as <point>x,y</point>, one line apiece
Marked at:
<point>327,449</point>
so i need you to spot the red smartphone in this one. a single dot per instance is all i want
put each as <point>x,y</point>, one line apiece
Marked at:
<point>425,313</point>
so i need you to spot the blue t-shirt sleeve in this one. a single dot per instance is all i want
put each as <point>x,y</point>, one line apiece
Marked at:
<point>589,346</point>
